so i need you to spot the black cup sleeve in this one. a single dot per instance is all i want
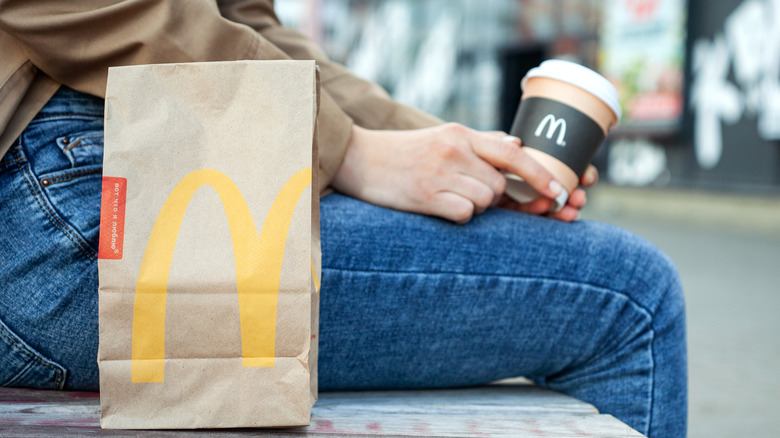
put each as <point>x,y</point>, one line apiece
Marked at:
<point>558,130</point>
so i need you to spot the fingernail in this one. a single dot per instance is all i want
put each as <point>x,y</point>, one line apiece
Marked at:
<point>511,138</point>
<point>560,201</point>
<point>590,176</point>
<point>556,187</point>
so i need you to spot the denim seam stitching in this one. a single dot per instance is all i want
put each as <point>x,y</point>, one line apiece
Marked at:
<point>9,162</point>
<point>81,144</point>
<point>79,140</point>
<point>480,274</point>
<point>21,374</point>
<point>652,382</point>
<point>71,176</point>
<point>52,218</point>
<point>23,349</point>
<point>14,160</point>
<point>652,376</point>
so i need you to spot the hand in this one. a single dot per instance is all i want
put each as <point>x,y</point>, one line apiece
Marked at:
<point>569,213</point>
<point>449,170</point>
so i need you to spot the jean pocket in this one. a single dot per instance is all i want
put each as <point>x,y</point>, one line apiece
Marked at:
<point>74,192</point>
<point>74,196</point>
<point>82,148</point>
<point>22,366</point>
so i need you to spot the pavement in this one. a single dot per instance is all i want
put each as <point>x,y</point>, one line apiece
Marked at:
<point>727,250</point>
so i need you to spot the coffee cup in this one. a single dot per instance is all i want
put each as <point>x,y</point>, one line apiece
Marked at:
<point>565,114</point>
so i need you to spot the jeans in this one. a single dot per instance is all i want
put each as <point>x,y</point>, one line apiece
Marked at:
<point>407,300</point>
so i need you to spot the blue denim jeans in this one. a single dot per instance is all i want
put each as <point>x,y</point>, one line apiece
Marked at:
<point>407,301</point>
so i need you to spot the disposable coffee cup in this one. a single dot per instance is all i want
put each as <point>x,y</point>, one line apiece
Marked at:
<point>565,114</point>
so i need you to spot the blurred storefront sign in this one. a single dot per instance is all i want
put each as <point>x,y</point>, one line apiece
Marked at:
<point>720,127</point>
<point>736,73</point>
<point>734,91</point>
<point>642,51</point>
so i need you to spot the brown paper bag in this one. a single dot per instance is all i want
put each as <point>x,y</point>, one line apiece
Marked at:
<point>209,252</point>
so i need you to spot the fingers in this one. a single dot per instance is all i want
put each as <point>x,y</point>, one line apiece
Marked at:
<point>541,207</point>
<point>569,213</point>
<point>506,153</point>
<point>474,190</point>
<point>460,171</point>
<point>469,181</point>
<point>451,206</point>
<point>463,198</point>
<point>578,199</point>
<point>566,214</point>
<point>536,207</point>
<point>590,177</point>
<point>485,174</point>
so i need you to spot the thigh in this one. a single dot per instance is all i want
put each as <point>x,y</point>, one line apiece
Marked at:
<point>412,301</point>
<point>50,184</point>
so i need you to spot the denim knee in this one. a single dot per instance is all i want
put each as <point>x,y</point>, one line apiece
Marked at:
<point>665,300</point>
<point>633,266</point>
<point>655,284</point>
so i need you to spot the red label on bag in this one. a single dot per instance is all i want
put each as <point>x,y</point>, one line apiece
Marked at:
<point>112,218</point>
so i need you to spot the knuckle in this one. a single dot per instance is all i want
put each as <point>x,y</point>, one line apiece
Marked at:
<point>462,214</point>
<point>455,128</point>
<point>458,209</point>
<point>499,185</point>
<point>446,150</point>
<point>485,198</point>
<point>509,151</point>
<point>435,170</point>
<point>427,192</point>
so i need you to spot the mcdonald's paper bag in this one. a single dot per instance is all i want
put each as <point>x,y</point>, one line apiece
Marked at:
<point>209,249</point>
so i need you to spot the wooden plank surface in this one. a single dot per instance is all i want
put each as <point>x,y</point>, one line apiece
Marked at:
<point>503,410</point>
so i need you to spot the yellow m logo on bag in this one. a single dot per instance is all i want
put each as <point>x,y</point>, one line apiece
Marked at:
<point>258,261</point>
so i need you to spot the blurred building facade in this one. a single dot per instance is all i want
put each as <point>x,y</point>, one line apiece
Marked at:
<point>699,80</point>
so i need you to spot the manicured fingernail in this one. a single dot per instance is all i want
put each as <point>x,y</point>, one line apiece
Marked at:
<point>560,201</point>
<point>511,138</point>
<point>556,187</point>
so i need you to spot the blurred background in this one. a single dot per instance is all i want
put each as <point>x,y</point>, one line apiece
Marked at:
<point>694,166</point>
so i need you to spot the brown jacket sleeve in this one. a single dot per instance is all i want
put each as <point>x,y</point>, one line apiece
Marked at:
<point>75,41</point>
<point>367,103</point>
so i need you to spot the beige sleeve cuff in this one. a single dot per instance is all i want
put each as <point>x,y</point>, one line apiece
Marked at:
<point>334,130</point>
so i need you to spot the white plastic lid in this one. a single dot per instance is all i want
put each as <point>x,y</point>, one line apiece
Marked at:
<point>580,76</point>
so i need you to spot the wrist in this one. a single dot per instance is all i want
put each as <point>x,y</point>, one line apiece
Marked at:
<point>346,179</point>
<point>356,138</point>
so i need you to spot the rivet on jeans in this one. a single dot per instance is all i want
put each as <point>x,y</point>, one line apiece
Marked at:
<point>46,182</point>
<point>65,140</point>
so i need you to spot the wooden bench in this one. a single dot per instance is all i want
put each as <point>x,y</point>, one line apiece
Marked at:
<point>506,409</point>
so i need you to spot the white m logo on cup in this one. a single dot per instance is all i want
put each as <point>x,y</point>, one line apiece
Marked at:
<point>554,125</point>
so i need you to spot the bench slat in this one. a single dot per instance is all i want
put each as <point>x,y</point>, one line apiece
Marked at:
<point>502,410</point>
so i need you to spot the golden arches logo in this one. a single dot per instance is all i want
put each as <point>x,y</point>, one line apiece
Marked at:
<point>258,264</point>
